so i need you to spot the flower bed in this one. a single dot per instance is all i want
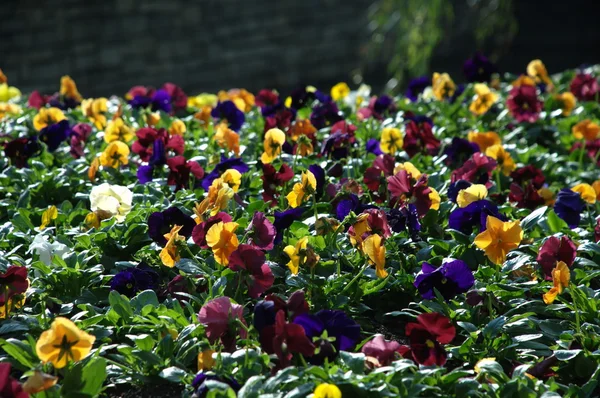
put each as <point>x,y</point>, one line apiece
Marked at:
<point>439,243</point>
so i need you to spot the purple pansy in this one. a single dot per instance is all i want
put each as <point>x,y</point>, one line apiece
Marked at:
<point>227,110</point>
<point>569,206</point>
<point>450,279</point>
<point>161,223</point>
<point>474,215</point>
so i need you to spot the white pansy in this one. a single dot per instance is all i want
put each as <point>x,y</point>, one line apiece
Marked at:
<point>113,199</point>
<point>358,97</point>
<point>45,250</point>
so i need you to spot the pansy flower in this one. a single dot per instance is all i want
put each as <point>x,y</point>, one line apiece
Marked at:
<point>200,230</point>
<point>160,223</point>
<point>156,100</point>
<point>225,164</point>
<point>561,276</point>
<point>405,218</point>
<point>479,68</point>
<point>391,140</point>
<point>219,316</point>
<point>95,109</point>
<point>79,135</point>
<point>527,197</point>
<point>566,102</point>
<point>477,170</point>
<point>419,137</point>
<point>471,194</point>
<point>13,284</point>
<point>405,189</point>
<point>152,145</point>
<point>285,339</point>
<point>473,216</point>
<point>9,386</point>
<point>284,219</point>
<point>442,85</point>
<point>115,155</point>
<point>499,238</point>
<point>523,104</point>
<point>450,279</point>
<point>177,96</point>
<point>302,190</point>
<point>252,260</point>
<point>273,179</point>
<point>554,250</point>
<point>229,112</point>
<point>416,86</point>
<point>117,130</point>
<point>337,325</point>
<point>300,254</point>
<point>169,254</point>
<point>134,279</point>
<point>383,167</point>
<point>484,140</point>
<point>265,310</point>
<point>223,241</point>
<point>62,343</point>
<point>382,352</point>
<point>426,337</point>
<point>586,129</point>
<point>180,171</point>
<point>502,157</point>
<point>538,72</point>
<point>227,138</point>
<point>55,134</point>
<point>20,150</point>
<point>261,232</point>
<point>585,87</point>
<point>241,97</point>
<point>325,114</point>
<point>484,99</point>
<point>459,151</point>
<point>374,249</point>
<point>274,140</point>
<point>569,206</point>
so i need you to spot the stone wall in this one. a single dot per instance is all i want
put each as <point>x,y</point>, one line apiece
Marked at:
<point>107,46</point>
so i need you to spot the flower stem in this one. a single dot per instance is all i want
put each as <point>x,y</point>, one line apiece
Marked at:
<point>576,310</point>
<point>581,155</point>
<point>498,181</point>
<point>362,271</point>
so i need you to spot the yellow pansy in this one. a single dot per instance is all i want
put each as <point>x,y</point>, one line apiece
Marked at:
<point>484,140</point>
<point>46,117</point>
<point>391,140</point>
<point>471,194</point>
<point>442,86</point>
<point>95,110</point>
<point>586,129</point>
<point>410,169</point>
<point>206,360</point>
<point>484,99</point>
<point>227,138</point>
<point>169,255</point>
<point>523,80</point>
<point>115,155</point>
<point>9,109</point>
<point>567,102</point>
<point>499,238</point>
<point>434,196</point>
<point>297,254</point>
<point>302,190</point>
<point>505,161</point>
<point>233,178</point>
<point>68,88</point>
<point>274,140</point>
<point>48,215</point>
<point>223,241</point>
<point>537,70</point>
<point>117,130</point>
<point>375,250</point>
<point>560,279</point>
<point>587,192</point>
<point>177,127</point>
<point>8,92</point>
<point>63,342</point>
<point>327,391</point>
<point>340,91</point>
<point>203,100</point>
<point>242,98</point>
<point>359,228</point>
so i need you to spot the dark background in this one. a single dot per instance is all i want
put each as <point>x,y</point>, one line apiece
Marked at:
<point>108,46</point>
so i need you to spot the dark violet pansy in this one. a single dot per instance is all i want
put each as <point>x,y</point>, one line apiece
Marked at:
<point>227,110</point>
<point>479,69</point>
<point>161,223</point>
<point>325,114</point>
<point>20,150</point>
<point>569,206</point>
<point>474,215</point>
<point>284,219</point>
<point>225,164</point>
<point>55,134</point>
<point>459,151</point>
<point>159,100</point>
<point>132,280</point>
<point>450,279</point>
<point>145,174</point>
<point>201,389</point>
<point>405,218</point>
<point>319,174</point>
<point>374,147</point>
<point>337,324</point>
<point>416,86</point>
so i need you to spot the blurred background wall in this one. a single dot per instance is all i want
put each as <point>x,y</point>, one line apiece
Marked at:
<point>110,45</point>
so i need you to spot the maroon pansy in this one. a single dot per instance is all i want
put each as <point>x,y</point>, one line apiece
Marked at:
<point>273,179</point>
<point>285,339</point>
<point>381,350</point>
<point>250,259</point>
<point>219,317</point>
<point>477,170</point>
<point>178,97</point>
<point>261,232</point>
<point>585,87</point>
<point>427,336</point>
<point>181,170</point>
<point>405,190</point>
<point>419,138</point>
<point>554,250</point>
<point>523,103</point>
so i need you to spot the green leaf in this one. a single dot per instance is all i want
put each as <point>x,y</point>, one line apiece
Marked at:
<point>354,361</point>
<point>173,374</point>
<point>556,223</point>
<point>19,351</point>
<point>533,219</point>
<point>120,304</point>
<point>94,374</point>
<point>565,355</point>
<point>494,327</point>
